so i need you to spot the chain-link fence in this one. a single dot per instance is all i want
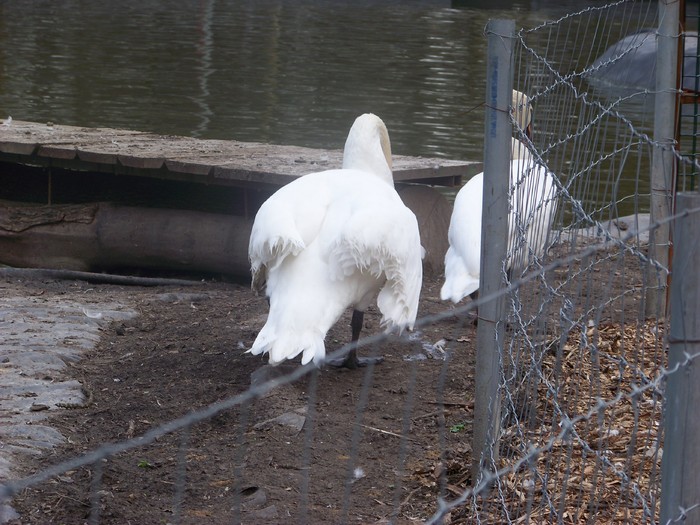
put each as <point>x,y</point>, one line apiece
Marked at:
<point>582,362</point>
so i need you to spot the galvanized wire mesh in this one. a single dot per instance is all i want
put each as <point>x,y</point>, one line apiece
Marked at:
<point>583,367</point>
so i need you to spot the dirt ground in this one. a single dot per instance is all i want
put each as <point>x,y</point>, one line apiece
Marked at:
<point>333,447</point>
<point>184,351</point>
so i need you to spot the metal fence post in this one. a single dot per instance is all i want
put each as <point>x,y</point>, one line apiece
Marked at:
<point>680,470</point>
<point>663,164</point>
<point>494,244</point>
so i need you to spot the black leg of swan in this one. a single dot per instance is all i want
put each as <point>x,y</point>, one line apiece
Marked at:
<point>474,296</point>
<point>351,360</point>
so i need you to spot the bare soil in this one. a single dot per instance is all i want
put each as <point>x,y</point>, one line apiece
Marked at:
<point>339,446</point>
<point>186,350</point>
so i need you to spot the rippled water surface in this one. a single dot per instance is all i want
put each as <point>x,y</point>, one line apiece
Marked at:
<point>261,70</point>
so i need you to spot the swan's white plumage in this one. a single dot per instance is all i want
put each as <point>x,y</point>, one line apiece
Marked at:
<point>532,210</point>
<point>522,115</point>
<point>462,260</point>
<point>331,240</point>
<point>533,207</point>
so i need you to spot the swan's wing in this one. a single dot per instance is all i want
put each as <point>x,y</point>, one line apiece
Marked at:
<point>285,224</point>
<point>377,234</point>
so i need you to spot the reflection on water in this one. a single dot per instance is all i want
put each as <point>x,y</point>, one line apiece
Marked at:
<point>291,72</point>
<point>204,69</point>
<point>271,71</point>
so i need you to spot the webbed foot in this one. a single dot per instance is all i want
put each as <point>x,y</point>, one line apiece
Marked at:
<point>352,362</point>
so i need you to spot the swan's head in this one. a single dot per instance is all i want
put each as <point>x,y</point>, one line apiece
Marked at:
<point>522,112</point>
<point>368,147</point>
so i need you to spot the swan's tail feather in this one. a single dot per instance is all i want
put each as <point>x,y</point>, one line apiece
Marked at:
<point>287,344</point>
<point>458,281</point>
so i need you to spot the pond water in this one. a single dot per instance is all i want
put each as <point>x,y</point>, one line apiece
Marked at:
<point>299,72</point>
<point>288,72</point>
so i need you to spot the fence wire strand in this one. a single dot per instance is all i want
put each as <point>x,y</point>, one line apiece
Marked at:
<point>582,370</point>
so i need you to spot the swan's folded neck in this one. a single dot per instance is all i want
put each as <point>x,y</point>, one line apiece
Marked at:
<point>368,148</point>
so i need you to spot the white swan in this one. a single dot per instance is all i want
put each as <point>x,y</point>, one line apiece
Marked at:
<point>532,210</point>
<point>522,114</point>
<point>331,240</point>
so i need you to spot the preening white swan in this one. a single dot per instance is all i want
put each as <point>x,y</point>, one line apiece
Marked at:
<point>331,240</point>
<point>532,210</point>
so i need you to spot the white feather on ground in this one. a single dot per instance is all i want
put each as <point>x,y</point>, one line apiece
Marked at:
<point>333,240</point>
